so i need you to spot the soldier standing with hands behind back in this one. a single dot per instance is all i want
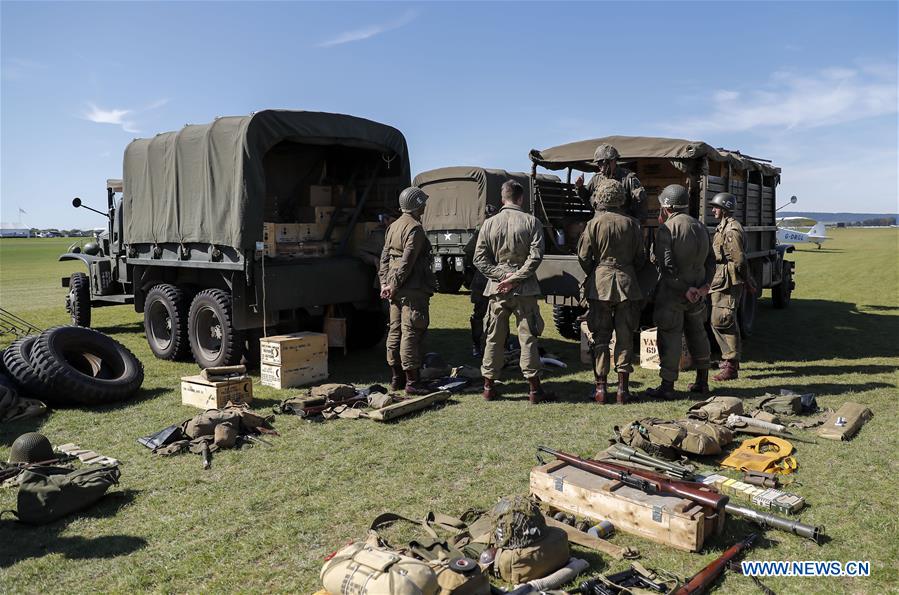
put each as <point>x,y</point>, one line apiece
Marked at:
<point>731,275</point>
<point>611,251</point>
<point>408,283</point>
<point>508,251</point>
<point>686,267</point>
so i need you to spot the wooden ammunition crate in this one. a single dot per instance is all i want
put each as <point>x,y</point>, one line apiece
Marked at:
<point>668,520</point>
<point>205,394</point>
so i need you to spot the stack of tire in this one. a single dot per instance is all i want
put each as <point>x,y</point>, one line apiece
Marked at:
<point>73,366</point>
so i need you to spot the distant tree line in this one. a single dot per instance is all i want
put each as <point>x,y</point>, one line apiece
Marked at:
<point>876,222</point>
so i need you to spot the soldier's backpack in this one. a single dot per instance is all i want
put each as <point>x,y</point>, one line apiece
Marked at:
<point>333,392</point>
<point>667,438</point>
<point>716,409</point>
<point>783,404</point>
<point>365,569</point>
<point>50,493</point>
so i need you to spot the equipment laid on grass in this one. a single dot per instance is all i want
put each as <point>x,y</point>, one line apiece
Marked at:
<point>10,324</point>
<point>347,402</point>
<point>701,494</point>
<point>214,390</point>
<point>764,453</point>
<point>756,426</point>
<point>702,580</point>
<point>50,493</point>
<point>667,438</point>
<point>636,579</point>
<point>71,365</point>
<point>623,452</point>
<point>845,422</point>
<point>716,408</point>
<point>593,540</point>
<point>762,496</point>
<point>14,407</point>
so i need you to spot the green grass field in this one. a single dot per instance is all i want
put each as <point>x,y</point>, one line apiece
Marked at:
<point>263,519</point>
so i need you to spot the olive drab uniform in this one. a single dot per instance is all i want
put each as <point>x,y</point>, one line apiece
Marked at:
<point>479,301</point>
<point>727,285</point>
<point>406,266</point>
<point>511,242</point>
<point>683,256</point>
<point>611,251</point>
<point>635,195</point>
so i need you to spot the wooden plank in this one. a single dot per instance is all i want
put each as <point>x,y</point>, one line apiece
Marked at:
<point>594,543</point>
<point>664,519</point>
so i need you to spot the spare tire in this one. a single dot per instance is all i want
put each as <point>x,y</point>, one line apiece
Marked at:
<point>17,361</point>
<point>79,365</point>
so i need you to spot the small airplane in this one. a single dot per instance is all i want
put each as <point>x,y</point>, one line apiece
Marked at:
<point>789,235</point>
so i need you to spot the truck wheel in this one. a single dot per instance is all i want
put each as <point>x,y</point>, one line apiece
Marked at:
<point>365,328</point>
<point>165,321</point>
<point>781,293</point>
<point>449,281</point>
<point>78,300</point>
<point>84,366</point>
<point>213,339</point>
<point>17,361</point>
<point>566,321</point>
<point>746,312</point>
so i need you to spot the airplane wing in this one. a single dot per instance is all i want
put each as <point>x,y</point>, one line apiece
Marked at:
<point>797,221</point>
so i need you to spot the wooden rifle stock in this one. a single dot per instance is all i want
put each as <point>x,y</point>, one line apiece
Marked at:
<point>644,480</point>
<point>703,579</point>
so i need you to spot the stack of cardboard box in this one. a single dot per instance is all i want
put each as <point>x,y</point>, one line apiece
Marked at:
<point>293,360</point>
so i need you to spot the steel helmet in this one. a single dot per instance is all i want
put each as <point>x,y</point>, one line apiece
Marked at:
<point>726,201</point>
<point>412,199</point>
<point>605,152</point>
<point>674,196</point>
<point>31,448</point>
<point>608,194</point>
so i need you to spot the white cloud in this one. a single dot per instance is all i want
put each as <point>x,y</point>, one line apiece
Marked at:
<point>369,31</point>
<point>120,117</point>
<point>831,96</point>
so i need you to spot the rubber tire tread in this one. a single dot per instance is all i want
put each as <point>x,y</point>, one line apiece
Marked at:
<point>233,350</point>
<point>180,303</point>
<point>17,361</point>
<point>780,297</point>
<point>65,385</point>
<point>80,306</point>
<point>565,319</point>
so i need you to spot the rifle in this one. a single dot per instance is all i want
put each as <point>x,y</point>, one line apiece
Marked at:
<point>702,580</point>
<point>653,483</point>
<point>16,468</point>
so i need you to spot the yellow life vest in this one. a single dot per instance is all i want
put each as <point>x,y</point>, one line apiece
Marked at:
<point>765,453</point>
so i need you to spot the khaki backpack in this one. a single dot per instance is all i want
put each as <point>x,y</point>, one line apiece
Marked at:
<point>363,569</point>
<point>716,409</point>
<point>667,438</point>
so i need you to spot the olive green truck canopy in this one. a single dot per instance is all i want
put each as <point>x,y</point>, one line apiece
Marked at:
<point>459,195</point>
<point>579,155</point>
<point>207,184</point>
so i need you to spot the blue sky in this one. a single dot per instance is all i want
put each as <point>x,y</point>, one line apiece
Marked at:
<point>812,86</point>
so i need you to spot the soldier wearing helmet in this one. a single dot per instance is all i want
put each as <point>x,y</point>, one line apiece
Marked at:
<point>611,252</point>
<point>605,158</point>
<point>731,276</point>
<point>408,283</point>
<point>509,250</point>
<point>686,266</point>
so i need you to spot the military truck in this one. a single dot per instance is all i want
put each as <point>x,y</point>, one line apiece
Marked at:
<point>458,197</point>
<point>188,232</point>
<point>658,162</point>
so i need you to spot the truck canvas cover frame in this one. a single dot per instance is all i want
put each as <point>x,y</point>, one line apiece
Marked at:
<point>207,183</point>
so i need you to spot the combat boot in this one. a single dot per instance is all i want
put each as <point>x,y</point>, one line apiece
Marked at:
<point>701,385</point>
<point>490,392</point>
<point>728,371</point>
<point>624,391</point>
<point>397,378</point>
<point>537,393</point>
<point>664,392</point>
<point>600,395</point>
<point>413,388</point>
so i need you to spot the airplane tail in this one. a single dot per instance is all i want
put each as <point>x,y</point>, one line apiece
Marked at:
<point>819,230</point>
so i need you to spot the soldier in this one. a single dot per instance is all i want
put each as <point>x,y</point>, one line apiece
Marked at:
<point>686,267</point>
<point>731,273</point>
<point>606,159</point>
<point>478,285</point>
<point>408,283</point>
<point>508,252</point>
<point>610,252</point>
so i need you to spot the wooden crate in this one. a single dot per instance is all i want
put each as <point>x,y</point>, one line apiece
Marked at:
<point>294,375</point>
<point>672,521</point>
<point>205,394</point>
<point>294,349</point>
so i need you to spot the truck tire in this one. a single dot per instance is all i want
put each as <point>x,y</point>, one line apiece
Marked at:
<point>78,300</point>
<point>165,321</point>
<point>17,361</point>
<point>566,321</point>
<point>365,328</point>
<point>782,293</point>
<point>85,367</point>
<point>449,281</point>
<point>213,339</point>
